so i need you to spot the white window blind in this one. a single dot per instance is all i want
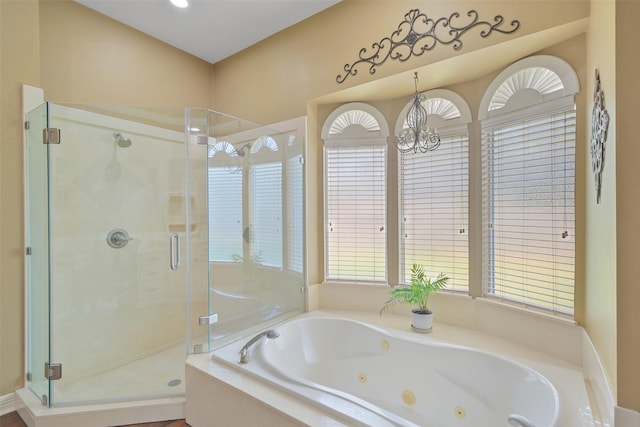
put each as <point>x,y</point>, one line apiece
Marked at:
<point>295,224</point>
<point>529,211</point>
<point>265,207</point>
<point>434,188</point>
<point>355,203</point>
<point>225,214</point>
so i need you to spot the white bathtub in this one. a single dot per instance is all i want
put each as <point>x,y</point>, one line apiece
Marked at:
<point>373,378</point>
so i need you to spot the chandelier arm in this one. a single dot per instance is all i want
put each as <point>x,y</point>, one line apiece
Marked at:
<point>417,136</point>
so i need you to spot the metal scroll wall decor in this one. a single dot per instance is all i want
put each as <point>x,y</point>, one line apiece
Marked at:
<point>418,34</point>
<point>599,127</point>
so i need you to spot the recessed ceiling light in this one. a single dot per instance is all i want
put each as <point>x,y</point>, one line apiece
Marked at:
<point>180,3</point>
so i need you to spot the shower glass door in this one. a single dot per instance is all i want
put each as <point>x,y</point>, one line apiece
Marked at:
<point>118,201</point>
<point>154,233</point>
<point>37,259</point>
<point>256,225</point>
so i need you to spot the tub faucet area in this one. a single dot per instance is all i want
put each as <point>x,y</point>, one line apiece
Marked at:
<point>244,351</point>
<point>519,421</point>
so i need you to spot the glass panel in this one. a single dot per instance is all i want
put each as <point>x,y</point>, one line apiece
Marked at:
<point>37,264</point>
<point>118,201</point>
<point>256,228</point>
<point>113,207</point>
<point>198,290</point>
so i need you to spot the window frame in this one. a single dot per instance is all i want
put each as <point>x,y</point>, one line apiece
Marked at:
<point>510,111</point>
<point>282,143</point>
<point>529,104</point>
<point>449,123</point>
<point>347,128</point>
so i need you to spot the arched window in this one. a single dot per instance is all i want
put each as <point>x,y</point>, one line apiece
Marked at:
<point>528,169</point>
<point>264,201</point>
<point>224,167</point>
<point>245,184</point>
<point>434,190</point>
<point>355,155</point>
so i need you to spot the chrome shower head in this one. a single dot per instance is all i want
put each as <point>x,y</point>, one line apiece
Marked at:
<point>122,141</point>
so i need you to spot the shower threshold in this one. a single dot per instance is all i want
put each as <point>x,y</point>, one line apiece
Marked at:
<point>34,414</point>
<point>149,389</point>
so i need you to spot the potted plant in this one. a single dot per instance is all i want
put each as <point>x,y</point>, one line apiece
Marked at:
<point>417,293</point>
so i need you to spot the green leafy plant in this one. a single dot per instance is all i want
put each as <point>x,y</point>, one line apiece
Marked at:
<point>417,292</point>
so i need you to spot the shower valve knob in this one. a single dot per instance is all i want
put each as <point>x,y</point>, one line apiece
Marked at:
<point>118,238</point>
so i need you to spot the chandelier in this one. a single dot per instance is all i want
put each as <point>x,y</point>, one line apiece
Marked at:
<point>417,136</point>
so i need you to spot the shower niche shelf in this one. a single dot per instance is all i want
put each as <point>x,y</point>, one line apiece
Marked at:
<point>175,213</point>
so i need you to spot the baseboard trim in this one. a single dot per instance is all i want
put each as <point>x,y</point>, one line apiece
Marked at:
<point>626,417</point>
<point>35,414</point>
<point>7,403</point>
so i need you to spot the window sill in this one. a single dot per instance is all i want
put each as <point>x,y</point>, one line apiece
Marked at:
<point>557,334</point>
<point>564,319</point>
<point>360,285</point>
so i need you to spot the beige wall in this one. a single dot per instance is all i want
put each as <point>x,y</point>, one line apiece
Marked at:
<point>443,66</point>
<point>627,176</point>
<point>19,64</point>
<point>75,55</point>
<point>88,58</point>
<point>304,61</point>
<point>600,219</point>
<point>472,91</point>
<point>301,63</point>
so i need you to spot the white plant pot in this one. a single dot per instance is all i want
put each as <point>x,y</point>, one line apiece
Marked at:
<point>421,322</point>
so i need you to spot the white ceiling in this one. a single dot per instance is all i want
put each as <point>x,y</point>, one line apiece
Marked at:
<point>210,29</point>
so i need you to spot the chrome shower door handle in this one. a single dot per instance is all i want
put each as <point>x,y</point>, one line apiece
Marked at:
<point>174,251</point>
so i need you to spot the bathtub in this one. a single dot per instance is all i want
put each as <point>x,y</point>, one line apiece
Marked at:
<point>371,377</point>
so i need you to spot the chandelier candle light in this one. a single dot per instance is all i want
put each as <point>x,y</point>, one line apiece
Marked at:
<point>417,136</point>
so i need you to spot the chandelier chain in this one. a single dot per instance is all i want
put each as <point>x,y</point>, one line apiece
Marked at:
<point>417,136</point>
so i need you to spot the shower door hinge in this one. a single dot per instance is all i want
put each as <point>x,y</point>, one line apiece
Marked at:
<point>29,376</point>
<point>28,250</point>
<point>208,320</point>
<point>26,124</point>
<point>53,371</point>
<point>51,136</point>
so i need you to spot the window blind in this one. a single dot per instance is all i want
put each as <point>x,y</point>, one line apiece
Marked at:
<point>265,210</point>
<point>295,224</point>
<point>434,188</point>
<point>355,203</point>
<point>529,211</point>
<point>225,214</point>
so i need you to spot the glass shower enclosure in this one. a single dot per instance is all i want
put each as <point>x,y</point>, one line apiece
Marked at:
<point>152,233</point>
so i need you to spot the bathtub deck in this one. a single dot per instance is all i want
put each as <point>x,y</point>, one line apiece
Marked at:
<point>243,396</point>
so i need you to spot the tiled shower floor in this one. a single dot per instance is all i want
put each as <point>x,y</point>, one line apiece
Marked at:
<point>158,375</point>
